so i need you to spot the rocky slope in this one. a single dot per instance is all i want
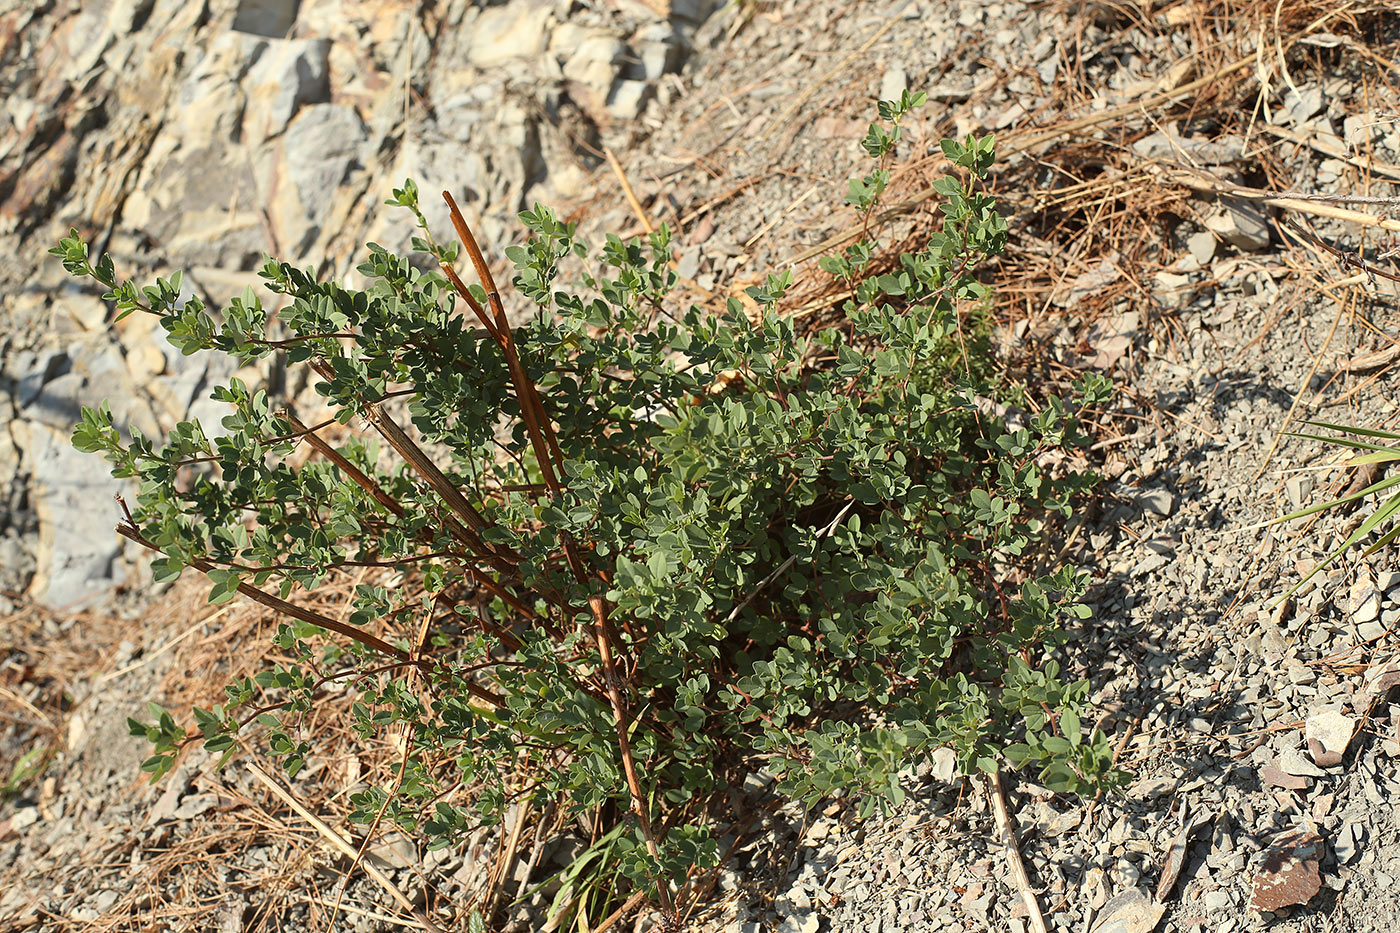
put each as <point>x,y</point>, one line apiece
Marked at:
<point>199,136</point>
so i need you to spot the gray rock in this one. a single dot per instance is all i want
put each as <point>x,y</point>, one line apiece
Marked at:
<point>270,18</point>
<point>1241,223</point>
<point>519,29</point>
<point>58,402</point>
<point>1363,601</point>
<point>320,147</point>
<point>286,75</point>
<point>627,99</point>
<point>592,57</point>
<point>1158,501</point>
<point>695,11</point>
<point>1201,246</point>
<point>1299,487</point>
<point>78,550</point>
<point>1172,289</point>
<point>1291,761</point>
<point>1216,900</point>
<point>1346,845</point>
<point>32,370</point>
<point>893,82</point>
<point>658,52</point>
<point>1299,109</point>
<point>394,851</point>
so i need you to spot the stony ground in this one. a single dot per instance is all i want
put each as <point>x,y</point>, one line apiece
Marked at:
<point>739,129</point>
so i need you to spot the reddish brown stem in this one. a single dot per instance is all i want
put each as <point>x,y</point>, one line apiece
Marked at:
<point>537,424</point>
<point>388,501</point>
<point>548,455</point>
<point>281,606</point>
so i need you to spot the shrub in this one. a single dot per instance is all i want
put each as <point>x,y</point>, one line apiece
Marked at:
<point>633,550</point>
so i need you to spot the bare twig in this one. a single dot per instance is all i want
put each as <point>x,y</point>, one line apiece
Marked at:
<point>1006,831</point>
<point>628,193</point>
<point>1209,184</point>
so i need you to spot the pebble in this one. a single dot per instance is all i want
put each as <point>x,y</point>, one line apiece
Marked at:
<point>1299,487</point>
<point>1201,246</point>
<point>1216,900</point>
<point>1158,501</point>
<point>1364,602</point>
<point>1291,761</point>
<point>1300,673</point>
<point>1241,223</point>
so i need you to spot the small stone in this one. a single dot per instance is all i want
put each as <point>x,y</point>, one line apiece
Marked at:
<point>1347,844</point>
<point>808,922</point>
<point>591,57</point>
<point>1300,108</point>
<point>1130,912</point>
<point>1241,223</point>
<point>1216,900</point>
<point>1328,733</point>
<point>627,99</point>
<point>1300,673</point>
<point>1157,500</point>
<point>511,30</point>
<point>1299,487</point>
<point>659,51</point>
<point>945,765</point>
<point>394,851</point>
<point>1276,777</point>
<point>1371,631</point>
<point>893,82</point>
<point>1202,246</point>
<point>1293,762</point>
<point>23,818</point>
<point>1172,289</point>
<point>1364,601</point>
<point>1095,887</point>
<point>1153,787</point>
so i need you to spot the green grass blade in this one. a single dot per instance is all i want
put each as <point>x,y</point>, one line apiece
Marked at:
<point>1349,429</point>
<point>1389,508</point>
<point>1337,441</point>
<point>1379,486</point>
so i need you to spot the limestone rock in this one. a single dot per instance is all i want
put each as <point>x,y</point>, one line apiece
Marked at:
<point>286,74</point>
<point>1241,223</point>
<point>591,58</point>
<point>320,148</point>
<point>78,550</point>
<point>270,18</point>
<point>514,30</point>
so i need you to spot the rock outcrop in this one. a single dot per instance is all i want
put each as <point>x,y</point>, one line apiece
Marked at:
<point>201,135</point>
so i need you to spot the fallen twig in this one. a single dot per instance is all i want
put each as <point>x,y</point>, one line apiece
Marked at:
<point>1006,832</point>
<point>628,193</point>
<point>1209,184</point>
